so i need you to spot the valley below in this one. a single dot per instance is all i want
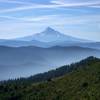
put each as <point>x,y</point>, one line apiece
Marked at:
<point>41,52</point>
<point>16,62</point>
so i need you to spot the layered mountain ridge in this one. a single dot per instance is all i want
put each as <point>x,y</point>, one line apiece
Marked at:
<point>25,61</point>
<point>41,52</point>
<point>49,38</point>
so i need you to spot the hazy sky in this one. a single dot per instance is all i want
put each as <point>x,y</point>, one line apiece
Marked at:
<point>79,18</point>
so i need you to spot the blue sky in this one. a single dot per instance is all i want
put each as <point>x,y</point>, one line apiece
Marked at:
<point>79,18</point>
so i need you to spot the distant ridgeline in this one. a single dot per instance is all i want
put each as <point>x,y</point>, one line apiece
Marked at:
<point>53,73</point>
<point>77,81</point>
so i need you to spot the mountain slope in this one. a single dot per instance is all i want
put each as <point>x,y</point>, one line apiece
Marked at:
<point>94,45</point>
<point>17,43</point>
<point>35,60</point>
<point>50,35</point>
<point>81,83</point>
<point>50,38</point>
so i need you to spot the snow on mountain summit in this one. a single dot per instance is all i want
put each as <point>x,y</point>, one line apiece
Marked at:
<point>48,35</point>
<point>51,35</point>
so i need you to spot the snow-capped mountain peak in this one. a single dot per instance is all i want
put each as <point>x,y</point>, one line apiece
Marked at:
<point>49,29</point>
<point>51,35</point>
<point>48,35</point>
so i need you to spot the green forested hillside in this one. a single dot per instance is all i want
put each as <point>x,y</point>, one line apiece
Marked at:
<point>81,82</point>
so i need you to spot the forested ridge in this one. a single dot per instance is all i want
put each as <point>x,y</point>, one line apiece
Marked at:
<point>78,81</point>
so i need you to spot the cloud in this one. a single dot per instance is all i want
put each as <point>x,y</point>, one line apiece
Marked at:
<point>53,4</point>
<point>28,7</point>
<point>30,19</point>
<point>54,20</point>
<point>74,4</point>
<point>14,1</point>
<point>95,6</point>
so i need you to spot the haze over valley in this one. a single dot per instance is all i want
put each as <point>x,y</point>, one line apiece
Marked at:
<point>25,56</point>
